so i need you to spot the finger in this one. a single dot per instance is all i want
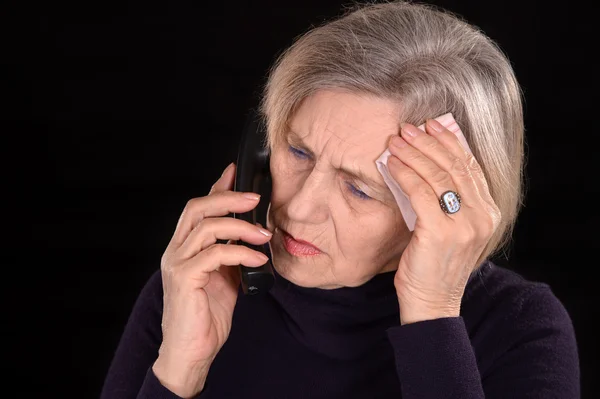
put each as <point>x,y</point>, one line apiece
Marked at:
<point>457,146</point>
<point>427,156</point>
<point>225,182</point>
<point>217,204</point>
<point>419,192</point>
<point>231,274</point>
<point>210,230</point>
<point>430,173</point>
<point>216,257</point>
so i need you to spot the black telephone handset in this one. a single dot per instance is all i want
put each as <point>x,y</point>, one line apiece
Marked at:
<point>252,175</point>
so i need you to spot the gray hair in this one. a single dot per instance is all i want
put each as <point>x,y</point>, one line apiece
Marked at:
<point>431,62</point>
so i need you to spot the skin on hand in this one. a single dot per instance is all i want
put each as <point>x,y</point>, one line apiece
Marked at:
<point>200,288</point>
<point>436,264</point>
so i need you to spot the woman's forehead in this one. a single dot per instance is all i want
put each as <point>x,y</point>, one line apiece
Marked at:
<point>348,132</point>
<point>345,122</point>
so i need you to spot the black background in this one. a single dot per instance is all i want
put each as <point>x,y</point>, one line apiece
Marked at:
<point>115,114</point>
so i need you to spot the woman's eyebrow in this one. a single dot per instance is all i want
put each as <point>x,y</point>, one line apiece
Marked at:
<point>296,140</point>
<point>358,174</point>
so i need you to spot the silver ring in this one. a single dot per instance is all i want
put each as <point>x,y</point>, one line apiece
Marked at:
<point>450,202</point>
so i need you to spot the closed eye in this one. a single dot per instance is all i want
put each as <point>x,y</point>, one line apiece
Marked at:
<point>351,187</point>
<point>298,153</point>
<point>357,192</point>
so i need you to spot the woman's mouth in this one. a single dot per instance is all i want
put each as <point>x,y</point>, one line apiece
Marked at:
<point>298,247</point>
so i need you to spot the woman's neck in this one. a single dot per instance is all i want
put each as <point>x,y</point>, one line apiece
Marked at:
<point>341,323</point>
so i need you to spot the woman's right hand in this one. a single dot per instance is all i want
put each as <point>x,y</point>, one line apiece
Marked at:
<point>201,286</point>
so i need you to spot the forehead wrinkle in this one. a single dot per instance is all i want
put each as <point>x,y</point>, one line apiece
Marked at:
<point>355,170</point>
<point>358,134</point>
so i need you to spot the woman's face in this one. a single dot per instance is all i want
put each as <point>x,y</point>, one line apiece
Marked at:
<point>327,191</point>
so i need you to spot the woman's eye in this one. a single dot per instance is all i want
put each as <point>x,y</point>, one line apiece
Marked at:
<point>298,153</point>
<point>351,187</point>
<point>355,191</point>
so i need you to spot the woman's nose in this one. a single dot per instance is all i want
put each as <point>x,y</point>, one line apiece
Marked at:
<point>310,202</point>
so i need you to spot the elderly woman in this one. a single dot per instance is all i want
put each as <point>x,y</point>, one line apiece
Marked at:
<point>366,303</point>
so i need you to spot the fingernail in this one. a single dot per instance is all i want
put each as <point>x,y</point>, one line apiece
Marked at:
<point>252,196</point>
<point>435,125</point>
<point>227,169</point>
<point>397,141</point>
<point>410,130</point>
<point>393,161</point>
<point>262,257</point>
<point>265,232</point>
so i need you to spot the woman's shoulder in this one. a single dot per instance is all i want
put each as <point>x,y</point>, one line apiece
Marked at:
<point>503,307</point>
<point>519,327</point>
<point>491,282</point>
<point>497,289</point>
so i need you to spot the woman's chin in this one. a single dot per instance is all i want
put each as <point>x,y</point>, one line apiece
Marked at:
<point>293,270</point>
<point>300,273</point>
<point>285,264</point>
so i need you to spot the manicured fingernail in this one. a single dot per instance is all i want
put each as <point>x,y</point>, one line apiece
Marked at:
<point>397,141</point>
<point>262,257</point>
<point>393,161</point>
<point>252,196</point>
<point>410,130</point>
<point>435,125</point>
<point>265,232</point>
<point>227,169</point>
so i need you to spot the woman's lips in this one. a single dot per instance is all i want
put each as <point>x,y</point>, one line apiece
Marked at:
<point>298,248</point>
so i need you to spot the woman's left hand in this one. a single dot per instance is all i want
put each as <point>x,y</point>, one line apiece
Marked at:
<point>436,264</point>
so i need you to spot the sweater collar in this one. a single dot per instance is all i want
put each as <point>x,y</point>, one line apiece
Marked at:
<point>343,323</point>
<point>349,322</point>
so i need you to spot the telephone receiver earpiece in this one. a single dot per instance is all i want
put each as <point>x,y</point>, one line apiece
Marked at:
<point>253,175</point>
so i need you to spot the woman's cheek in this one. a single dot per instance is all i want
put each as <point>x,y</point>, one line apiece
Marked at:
<point>286,182</point>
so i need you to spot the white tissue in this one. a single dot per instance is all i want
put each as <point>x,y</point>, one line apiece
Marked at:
<point>410,217</point>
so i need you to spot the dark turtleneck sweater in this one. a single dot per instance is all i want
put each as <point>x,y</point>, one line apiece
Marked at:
<point>513,339</point>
